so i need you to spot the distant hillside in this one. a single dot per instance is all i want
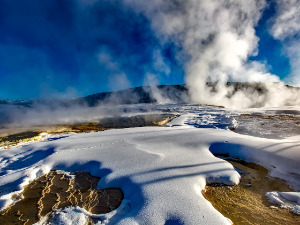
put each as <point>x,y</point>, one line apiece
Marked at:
<point>15,102</point>
<point>146,94</point>
<point>169,93</point>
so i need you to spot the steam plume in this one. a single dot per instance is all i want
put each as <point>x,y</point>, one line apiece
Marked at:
<point>218,36</point>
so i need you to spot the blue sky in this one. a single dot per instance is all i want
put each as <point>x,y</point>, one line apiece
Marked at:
<point>68,48</point>
<point>269,49</point>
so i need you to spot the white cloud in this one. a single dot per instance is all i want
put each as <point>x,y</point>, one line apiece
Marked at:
<point>287,20</point>
<point>119,82</point>
<point>105,58</point>
<point>159,64</point>
<point>293,52</point>
<point>286,27</point>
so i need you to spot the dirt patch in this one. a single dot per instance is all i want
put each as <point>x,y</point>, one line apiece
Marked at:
<point>246,203</point>
<point>136,121</point>
<point>58,190</point>
<point>15,139</point>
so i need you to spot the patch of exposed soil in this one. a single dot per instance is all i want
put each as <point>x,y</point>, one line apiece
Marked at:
<point>15,139</point>
<point>58,190</point>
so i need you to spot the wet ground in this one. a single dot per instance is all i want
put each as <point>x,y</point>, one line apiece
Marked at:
<point>246,203</point>
<point>58,190</point>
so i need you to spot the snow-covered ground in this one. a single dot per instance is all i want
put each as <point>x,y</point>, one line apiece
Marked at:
<point>161,170</point>
<point>290,200</point>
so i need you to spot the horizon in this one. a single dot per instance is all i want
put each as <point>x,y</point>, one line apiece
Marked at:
<point>70,49</point>
<point>120,90</point>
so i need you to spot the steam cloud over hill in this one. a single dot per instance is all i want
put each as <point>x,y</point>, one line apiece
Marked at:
<point>81,47</point>
<point>212,40</point>
<point>218,37</point>
<point>93,107</point>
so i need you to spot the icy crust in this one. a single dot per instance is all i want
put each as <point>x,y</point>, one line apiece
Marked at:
<point>286,200</point>
<point>205,117</point>
<point>161,170</point>
<point>78,215</point>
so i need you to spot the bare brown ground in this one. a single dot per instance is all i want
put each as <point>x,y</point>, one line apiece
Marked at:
<point>58,190</point>
<point>246,203</point>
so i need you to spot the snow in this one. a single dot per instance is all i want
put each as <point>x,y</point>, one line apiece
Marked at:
<point>161,170</point>
<point>286,200</point>
<point>69,216</point>
<point>296,210</point>
<point>77,215</point>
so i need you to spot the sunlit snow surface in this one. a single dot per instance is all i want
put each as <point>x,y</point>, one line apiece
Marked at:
<point>161,170</point>
<point>286,200</point>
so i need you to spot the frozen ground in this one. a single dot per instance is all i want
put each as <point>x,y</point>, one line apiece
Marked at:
<point>161,170</point>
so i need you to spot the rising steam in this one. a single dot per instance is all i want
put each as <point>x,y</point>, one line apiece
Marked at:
<point>218,36</point>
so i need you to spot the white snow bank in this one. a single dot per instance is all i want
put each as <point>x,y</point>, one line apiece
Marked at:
<point>291,196</point>
<point>69,216</point>
<point>160,170</point>
<point>206,117</point>
<point>287,200</point>
<point>78,215</point>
